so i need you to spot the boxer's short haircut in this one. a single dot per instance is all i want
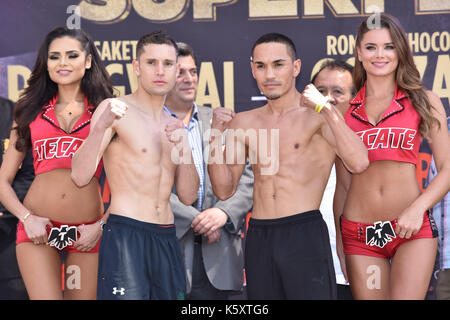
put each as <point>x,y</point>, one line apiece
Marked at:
<point>156,37</point>
<point>277,38</point>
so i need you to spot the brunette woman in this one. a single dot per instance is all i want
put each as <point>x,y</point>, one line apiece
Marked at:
<point>52,119</point>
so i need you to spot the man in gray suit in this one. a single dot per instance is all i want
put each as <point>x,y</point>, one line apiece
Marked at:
<point>210,230</point>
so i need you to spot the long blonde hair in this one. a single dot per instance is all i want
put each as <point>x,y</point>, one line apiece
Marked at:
<point>407,76</point>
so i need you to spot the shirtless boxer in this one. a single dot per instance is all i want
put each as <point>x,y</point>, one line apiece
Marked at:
<point>288,252</point>
<point>139,256</point>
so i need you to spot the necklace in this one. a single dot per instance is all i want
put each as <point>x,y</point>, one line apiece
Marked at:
<point>68,109</point>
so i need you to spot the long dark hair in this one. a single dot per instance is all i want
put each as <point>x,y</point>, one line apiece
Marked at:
<point>407,75</point>
<point>96,84</point>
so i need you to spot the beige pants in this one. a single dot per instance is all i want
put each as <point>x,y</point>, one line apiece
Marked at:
<point>443,285</point>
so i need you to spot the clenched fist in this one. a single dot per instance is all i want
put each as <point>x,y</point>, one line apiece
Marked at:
<point>115,109</point>
<point>312,98</point>
<point>175,131</point>
<point>221,118</point>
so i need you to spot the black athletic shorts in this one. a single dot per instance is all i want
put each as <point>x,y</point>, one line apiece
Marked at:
<point>289,258</point>
<point>139,261</point>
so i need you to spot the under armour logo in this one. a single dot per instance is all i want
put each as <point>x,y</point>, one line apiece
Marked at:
<point>379,234</point>
<point>116,291</point>
<point>62,237</point>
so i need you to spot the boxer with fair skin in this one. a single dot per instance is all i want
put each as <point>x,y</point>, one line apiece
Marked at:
<point>144,155</point>
<point>307,146</point>
<point>142,149</point>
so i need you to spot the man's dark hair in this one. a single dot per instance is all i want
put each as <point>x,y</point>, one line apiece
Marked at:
<point>156,37</point>
<point>333,65</point>
<point>278,38</point>
<point>185,50</point>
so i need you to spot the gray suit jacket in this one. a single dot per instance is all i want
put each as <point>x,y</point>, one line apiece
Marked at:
<point>223,260</point>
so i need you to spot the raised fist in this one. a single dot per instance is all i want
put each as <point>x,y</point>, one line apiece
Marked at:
<point>175,131</point>
<point>221,118</point>
<point>312,98</point>
<point>114,110</point>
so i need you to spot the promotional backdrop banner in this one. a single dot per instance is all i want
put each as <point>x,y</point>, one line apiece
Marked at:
<point>222,33</point>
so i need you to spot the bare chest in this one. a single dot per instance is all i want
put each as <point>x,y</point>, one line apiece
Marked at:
<point>283,144</point>
<point>144,138</point>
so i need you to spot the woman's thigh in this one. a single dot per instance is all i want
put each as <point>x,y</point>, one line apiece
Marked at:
<point>368,277</point>
<point>412,267</point>
<point>40,267</point>
<point>81,276</point>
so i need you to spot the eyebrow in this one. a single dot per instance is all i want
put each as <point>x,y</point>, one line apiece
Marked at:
<point>332,87</point>
<point>188,69</point>
<point>372,43</point>
<point>275,61</point>
<point>155,59</point>
<point>69,51</point>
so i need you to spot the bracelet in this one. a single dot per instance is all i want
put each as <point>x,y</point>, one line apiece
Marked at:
<point>25,218</point>
<point>101,223</point>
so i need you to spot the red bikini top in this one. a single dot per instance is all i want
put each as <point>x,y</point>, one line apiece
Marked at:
<point>53,148</point>
<point>396,136</point>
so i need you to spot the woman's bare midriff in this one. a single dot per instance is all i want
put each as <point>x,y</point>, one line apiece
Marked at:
<point>381,192</point>
<point>54,195</point>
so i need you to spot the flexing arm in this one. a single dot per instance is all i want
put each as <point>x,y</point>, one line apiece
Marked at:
<point>226,165</point>
<point>348,146</point>
<point>87,158</point>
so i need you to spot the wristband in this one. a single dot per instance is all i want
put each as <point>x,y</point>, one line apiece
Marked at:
<point>25,218</point>
<point>319,108</point>
<point>322,104</point>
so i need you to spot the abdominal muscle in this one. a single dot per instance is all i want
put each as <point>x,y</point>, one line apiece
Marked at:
<point>54,195</point>
<point>382,192</point>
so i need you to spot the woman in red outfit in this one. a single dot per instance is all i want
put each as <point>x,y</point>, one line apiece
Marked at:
<point>52,118</point>
<point>388,235</point>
